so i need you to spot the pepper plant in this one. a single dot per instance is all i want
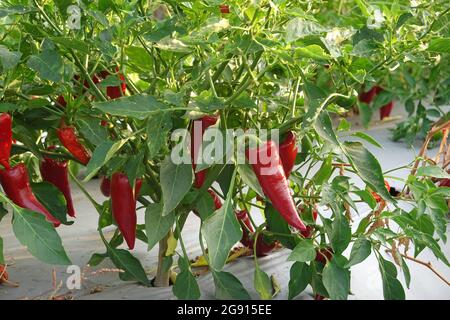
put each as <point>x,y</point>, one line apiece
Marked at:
<point>102,89</point>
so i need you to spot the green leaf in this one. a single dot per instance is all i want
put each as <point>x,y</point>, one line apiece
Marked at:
<point>367,138</point>
<point>367,197</point>
<point>205,206</point>
<point>102,154</point>
<point>249,178</point>
<point>158,126</point>
<point>39,236</point>
<point>262,283</point>
<point>228,287</point>
<point>52,199</point>
<point>92,131</point>
<point>138,106</point>
<point>365,113</point>
<point>406,273</point>
<point>134,168</point>
<point>124,260</point>
<point>392,288</point>
<point>441,45</point>
<point>207,102</point>
<point>312,51</point>
<point>336,280</point>
<point>276,223</point>
<point>186,287</point>
<point>298,28</point>
<point>341,233</point>
<point>433,171</point>
<point>96,259</point>
<point>48,64</point>
<point>300,277</point>
<point>157,225</point>
<point>381,99</point>
<point>360,251</point>
<point>72,43</point>
<point>221,231</point>
<point>324,128</point>
<point>176,181</point>
<point>9,59</point>
<point>303,252</point>
<point>367,167</point>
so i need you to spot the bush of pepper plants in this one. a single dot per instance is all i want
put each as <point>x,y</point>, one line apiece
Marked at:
<point>113,89</point>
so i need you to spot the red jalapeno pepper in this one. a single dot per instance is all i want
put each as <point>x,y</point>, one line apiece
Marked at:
<point>16,185</point>
<point>71,142</point>
<point>5,139</point>
<point>271,177</point>
<point>57,173</point>
<point>288,152</point>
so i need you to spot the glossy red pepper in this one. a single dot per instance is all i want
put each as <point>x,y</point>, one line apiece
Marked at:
<point>273,182</point>
<point>319,297</point>
<point>368,96</point>
<point>123,203</point>
<point>105,187</point>
<point>444,183</point>
<point>216,199</point>
<point>288,152</point>
<point>114,92</point>
<point>385,111</point>
<point>16,185</point>
<point>196,142</point>
<point>70,140</point>
<point>5,139</point>
<point>57,173</point>
<point>224,8</point>
<point>262,248</point>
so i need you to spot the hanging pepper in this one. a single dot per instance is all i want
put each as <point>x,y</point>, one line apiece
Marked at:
<point>16,185</point>
<point>368,96</point>
<point>273,182</point>
<point>196,142</point>
<point>56,172</point>
<point>70,140</point>
<point>262,248</point>
<point>5,139</point>
<point>225,9</point>
<point>105,187</point>
<point>288,152</point>
<point>217,202</point>
<point>385,111</point>
<point>114,92</point>
<point>123,203</point>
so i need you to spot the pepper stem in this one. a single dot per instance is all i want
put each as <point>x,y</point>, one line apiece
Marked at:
<point>162,273</point>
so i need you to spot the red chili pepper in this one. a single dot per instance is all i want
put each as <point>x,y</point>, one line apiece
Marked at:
<point>216,199</point>
<point>56,172</point>
<point>262,248</point>
<point>5,139</point>
<point>368,96</point>
<point>114,92</point>
<point>377,196</point>
<point>385,111</point>
<point>288,152</point>
<point>16,184</point>
<point>69,139</point>
<point>319,297</point>
<point>105,187</point>
<point>224,8</point>
<point>61,101</point>
<point>273,182</point>
<point>123,202</point>
<point>444,183</point>
<point>196,142</point>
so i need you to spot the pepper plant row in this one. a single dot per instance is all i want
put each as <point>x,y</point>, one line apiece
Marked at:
<point>104,85</point>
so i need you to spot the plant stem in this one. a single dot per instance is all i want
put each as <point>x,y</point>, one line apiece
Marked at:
<point>162,274</point>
